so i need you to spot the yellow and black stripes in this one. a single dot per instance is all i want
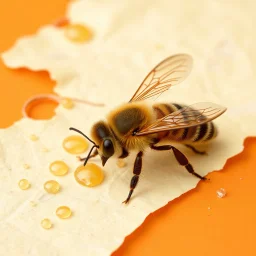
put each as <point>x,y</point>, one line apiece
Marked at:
<point>205,132</point>
<point>191,135</point>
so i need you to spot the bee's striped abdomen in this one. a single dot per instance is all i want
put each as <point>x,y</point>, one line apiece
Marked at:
<point>191,135</point>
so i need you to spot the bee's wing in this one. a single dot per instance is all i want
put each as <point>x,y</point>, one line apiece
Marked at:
<point>193,115</point>
<point>170,71</point>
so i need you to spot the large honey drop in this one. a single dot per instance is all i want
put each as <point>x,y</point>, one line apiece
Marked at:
<point>58,168</point>
<point>63,212</point>
<point>46,223</point>
<point>75,144</point>
<point>78,33</point>
<point>90,175</point>
<point>24,184</point>
<point>52,186</point>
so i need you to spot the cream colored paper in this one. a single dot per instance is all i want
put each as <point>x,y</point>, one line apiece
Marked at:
<point>131,37</point>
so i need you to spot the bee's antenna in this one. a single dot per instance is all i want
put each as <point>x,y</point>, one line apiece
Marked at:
<point>76,130</point>
<point>87,158</point>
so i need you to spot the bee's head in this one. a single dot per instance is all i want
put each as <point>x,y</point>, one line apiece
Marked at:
<point>102,139</point>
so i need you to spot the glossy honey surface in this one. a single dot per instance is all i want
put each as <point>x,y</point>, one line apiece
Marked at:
<point>63,212</point>
<point>46,223</point>
<point>78,33</point>
<point>24,184</point>
<point>52,186</point>
<point>58,168</point>
<point>75,144</point>
<point>90,175</point>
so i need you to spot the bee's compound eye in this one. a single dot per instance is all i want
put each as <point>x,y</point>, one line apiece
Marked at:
<point>108,148</point>
<point>107,144</point>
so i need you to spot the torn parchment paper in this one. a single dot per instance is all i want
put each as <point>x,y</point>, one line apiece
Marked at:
<point>130,38</point>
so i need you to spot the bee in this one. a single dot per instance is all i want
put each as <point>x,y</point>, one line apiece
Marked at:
<point>137,125</point>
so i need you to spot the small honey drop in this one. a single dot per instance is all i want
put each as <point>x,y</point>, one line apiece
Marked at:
<point>33,137</point>
<point>63,212</point>
<point>120,163</point>
<point>46,223</point>
<point>52,186</point>
<point>75,144</point>
<point>67,103</point>
<point>58,168</point>
<point>78,33</point>
<point>24,184</point>
<point>26,166</point>
<point>159,46</point>
<point>90,175</point>
<point>33,203</point>
<point>45,150</point>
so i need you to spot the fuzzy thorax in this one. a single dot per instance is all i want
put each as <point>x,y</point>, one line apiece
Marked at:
<point>129,118</point>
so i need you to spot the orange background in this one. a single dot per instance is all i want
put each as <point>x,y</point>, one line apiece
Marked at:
<point>183,227</point>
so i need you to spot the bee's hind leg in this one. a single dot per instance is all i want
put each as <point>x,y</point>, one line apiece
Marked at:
<point>82,159</point>
<point>181,158</point>
<point>136,171</point>
<point>196,150</point>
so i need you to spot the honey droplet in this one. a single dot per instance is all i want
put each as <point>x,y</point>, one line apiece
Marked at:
<point>78,33</point>
<point>63,212</point>
<point>33,203</point>
<point>67,103</point>
<point>75,144</point>
<point>58,168</point>
<point>24,184</point>
<point>45,150</point>
<point>33,137</point>
<point>52,186</point>
<point>46,223</point>
<point>26,166</point>
<point>90,175</point>
<point>120,163</point>
<point>159,46</point>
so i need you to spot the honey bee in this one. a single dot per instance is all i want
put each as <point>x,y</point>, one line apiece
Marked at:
<point>138,124</point>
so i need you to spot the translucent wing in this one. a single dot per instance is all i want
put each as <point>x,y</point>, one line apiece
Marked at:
<point>196,114</point>
<point>170,71</point>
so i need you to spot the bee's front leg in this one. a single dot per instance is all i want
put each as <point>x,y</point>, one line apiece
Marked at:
<point>136,171</point>
<point>95,153</point>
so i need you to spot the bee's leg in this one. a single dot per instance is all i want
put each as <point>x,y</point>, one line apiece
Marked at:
<point>181,158</point>
<point>195,150</point>
<point>95,153</point>
<point>136,172</point>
